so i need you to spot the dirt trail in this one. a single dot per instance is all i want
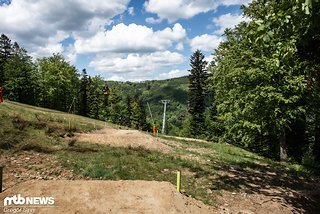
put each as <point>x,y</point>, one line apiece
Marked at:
<point>187,139</point>
<point>108,197</point>
<point>28,165</point>
<point>126,138</point>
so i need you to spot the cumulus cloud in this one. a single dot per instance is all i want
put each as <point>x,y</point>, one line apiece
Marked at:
<point>136,63</point>
<point>180,46</point>
<point>185,9</point>
<point>136,67</point>
<point>173,74</point>
<point>131,11</point>
<point>235,2</point>
<point>33,22</point>
<point>227,21</point>
<point>70,54</point>
<point>131,38</point>
<point>205,42</point>
<point>152,20</point>
<point>117,78</point>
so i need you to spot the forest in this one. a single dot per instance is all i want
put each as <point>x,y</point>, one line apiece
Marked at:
<point>260,92</point>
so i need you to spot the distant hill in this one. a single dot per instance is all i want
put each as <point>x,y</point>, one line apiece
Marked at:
<point>152,92</point>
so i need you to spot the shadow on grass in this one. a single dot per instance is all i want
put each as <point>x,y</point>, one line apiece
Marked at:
<point>281,184</point>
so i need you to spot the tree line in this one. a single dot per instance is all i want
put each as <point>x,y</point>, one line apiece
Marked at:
<point>265,82</point>
<point>51,82</point>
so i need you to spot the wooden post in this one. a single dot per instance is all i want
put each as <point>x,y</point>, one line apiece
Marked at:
<point>178,181</point>
<point>1,173</point>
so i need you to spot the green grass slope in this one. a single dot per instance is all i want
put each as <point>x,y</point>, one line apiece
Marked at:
<point>24,127</point>
<point>208,169</point>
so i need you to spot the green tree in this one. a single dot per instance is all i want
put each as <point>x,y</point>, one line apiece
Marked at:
<point>59,82</point>
<point>128,112</point>
<point>197,85</point>
<point>308,47</point>
<point>83,93</point>
<point>138,114</point>
<point>95,97</point>
<point>21,77</point>
<point>5,53</point>
<point>258,79</point>
<point>116,108</point>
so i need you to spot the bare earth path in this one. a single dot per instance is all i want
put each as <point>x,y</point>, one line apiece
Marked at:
<point>109,197</point>
<point>126,138</point>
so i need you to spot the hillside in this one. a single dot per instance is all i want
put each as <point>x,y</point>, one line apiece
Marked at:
<point>41,144</point>
<point>152,92</point>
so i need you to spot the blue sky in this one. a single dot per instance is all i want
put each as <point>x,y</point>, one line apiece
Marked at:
<point>121,39</point>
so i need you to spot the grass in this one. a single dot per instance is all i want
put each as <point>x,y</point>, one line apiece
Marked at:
<point>133,164</point>
<point>24,127</point>
<point>207,168</point>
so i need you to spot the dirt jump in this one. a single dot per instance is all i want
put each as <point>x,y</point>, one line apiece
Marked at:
<point>126,138</point>
<point>107,197</point>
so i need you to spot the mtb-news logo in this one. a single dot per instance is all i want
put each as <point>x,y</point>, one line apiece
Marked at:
<point>20,204</point>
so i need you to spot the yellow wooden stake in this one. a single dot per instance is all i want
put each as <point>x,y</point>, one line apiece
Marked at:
<point>178,181</point>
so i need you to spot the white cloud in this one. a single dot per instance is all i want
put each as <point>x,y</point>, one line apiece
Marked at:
<point>235,2</point>
<point>173,74</point>
<point>180,46</point>
<point>131,38</point>
<point>52,45</point>
<point>117,78</point>
<point>185,9</point>
<point>131,11</point>
<point>205,42</point>
<point>138,68</point>
<point>227,21</point>
<point>94,25</point>
<point>33,22</point>
<point>209,60</point>
<point>70,54</point>
<point>136,63</point>
<point>133,52</point>
<point>152,20</point>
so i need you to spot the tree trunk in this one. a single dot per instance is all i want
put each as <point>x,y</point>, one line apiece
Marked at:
<point>283,149</point>
<point>316,147</point>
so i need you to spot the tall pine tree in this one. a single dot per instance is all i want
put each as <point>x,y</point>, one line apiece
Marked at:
<point>197,84</point>
<point>5,53</point>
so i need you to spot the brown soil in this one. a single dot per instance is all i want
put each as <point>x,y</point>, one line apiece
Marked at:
<point>265,190</point>
<point>126,138</point>
<point>274,202</point>
<point>109,197</point>
<point>24,166</point>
